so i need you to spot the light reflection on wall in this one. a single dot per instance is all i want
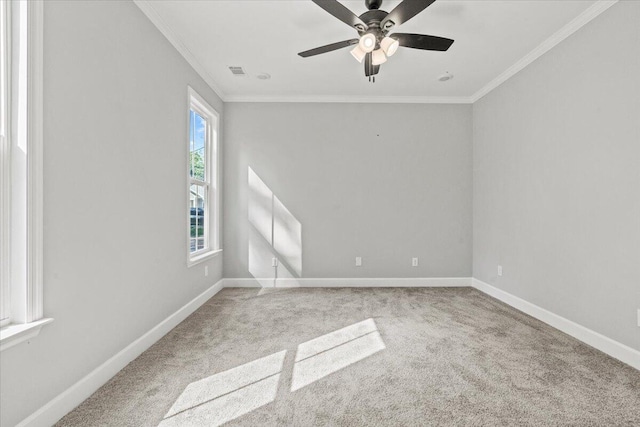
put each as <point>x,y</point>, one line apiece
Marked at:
<point>273,233</point>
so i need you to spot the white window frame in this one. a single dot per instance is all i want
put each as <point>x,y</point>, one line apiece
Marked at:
<point>212,173</point>
<point>5,165</point>
<point>21,211</point>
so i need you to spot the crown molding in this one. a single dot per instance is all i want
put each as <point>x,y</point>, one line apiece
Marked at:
<point>146,8</point>
<point>581,20</point>
<point>354,99</point>
<point>166,30</point>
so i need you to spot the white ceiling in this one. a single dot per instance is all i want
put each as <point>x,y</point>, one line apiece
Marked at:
<point>265,36</point>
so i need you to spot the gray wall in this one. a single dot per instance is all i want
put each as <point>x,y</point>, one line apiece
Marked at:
<point>385,182</point>
<point>557,179</point>
<point>556,188</point>
<point>115,196</point>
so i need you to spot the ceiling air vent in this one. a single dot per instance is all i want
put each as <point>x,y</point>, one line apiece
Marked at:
<point>237,71</point>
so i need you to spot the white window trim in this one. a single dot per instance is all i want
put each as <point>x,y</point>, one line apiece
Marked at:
<point>212,150</point>
<point>17,333</point>
<point>27,324</point>
<point>5,170</point>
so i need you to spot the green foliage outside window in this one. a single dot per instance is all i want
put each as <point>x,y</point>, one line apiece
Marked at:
<point>197,166</point>
<point>200,231</point>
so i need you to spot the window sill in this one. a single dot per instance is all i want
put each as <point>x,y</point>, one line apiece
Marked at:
<point>202,257</point>
<point>13,334</point>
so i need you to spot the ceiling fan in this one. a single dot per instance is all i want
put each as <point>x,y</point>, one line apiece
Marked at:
<point>375,44</point>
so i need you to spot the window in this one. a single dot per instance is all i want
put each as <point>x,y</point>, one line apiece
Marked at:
<point>21,310</point>
<point>203,179</point>
<point>4,164</point>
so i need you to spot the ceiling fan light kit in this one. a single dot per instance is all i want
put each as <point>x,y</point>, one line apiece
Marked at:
<point>378,57</point>
<point>374,44</point>
<point>358,53</point>
<point>389,45</point>
<point>368,42</point>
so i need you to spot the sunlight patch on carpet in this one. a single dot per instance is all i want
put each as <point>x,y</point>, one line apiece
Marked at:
<point>322,356</point>
<point>227,395</point>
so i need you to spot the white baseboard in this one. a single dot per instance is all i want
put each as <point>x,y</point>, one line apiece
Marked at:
<point>613,348</point>
<point>58,407</point>
<point>348,282</point>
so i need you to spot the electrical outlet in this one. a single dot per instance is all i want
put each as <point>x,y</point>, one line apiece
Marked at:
<point>500,270</point>
<point>274,262</point>
<point>414,262</point>
<point>358,261</point>
<point>206,270</point>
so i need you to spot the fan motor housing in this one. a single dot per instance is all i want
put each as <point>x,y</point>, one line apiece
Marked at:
<point>373,4</point>
<point>377,24</point>
<point>373,18</point>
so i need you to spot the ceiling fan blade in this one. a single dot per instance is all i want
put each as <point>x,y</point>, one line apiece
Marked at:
<point>342,13</point>
<point>421,41</point>
<point>369,68</point>
<point>405,11</point>
<point>328,48</point>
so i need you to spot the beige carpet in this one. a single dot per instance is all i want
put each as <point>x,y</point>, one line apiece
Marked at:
<point>351,357</point>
